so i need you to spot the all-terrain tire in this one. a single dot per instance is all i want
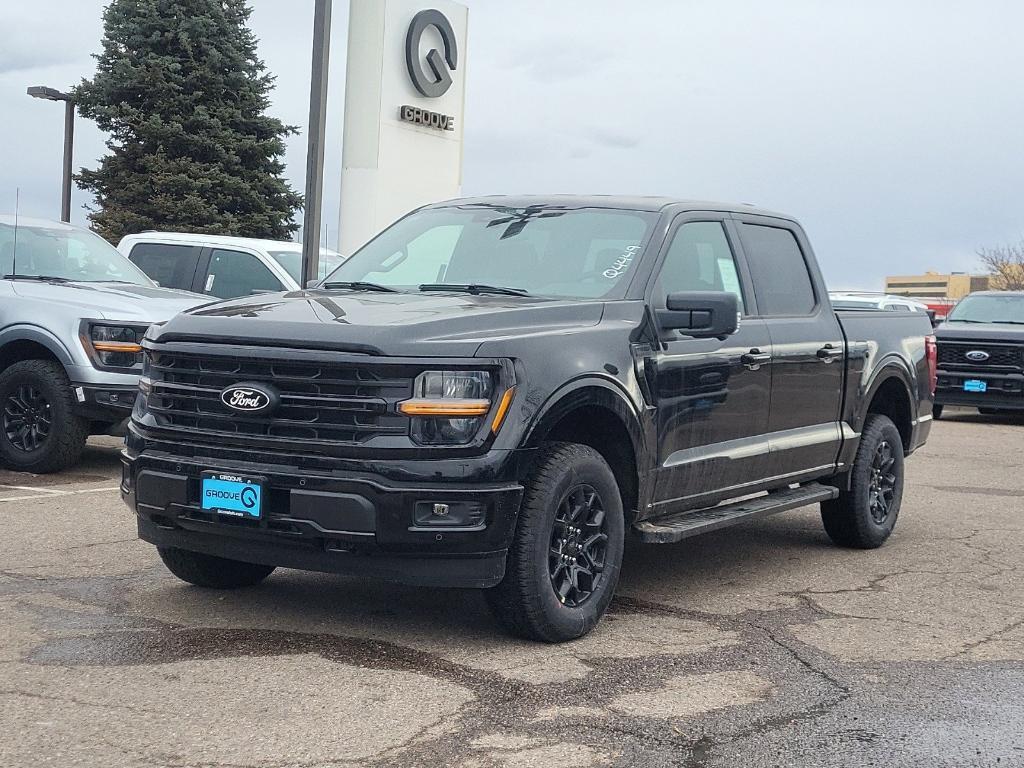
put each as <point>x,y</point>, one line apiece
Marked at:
<point>212,572</point>
<point>856,518</point>
<point>564,477</point>
<point>54,404</point>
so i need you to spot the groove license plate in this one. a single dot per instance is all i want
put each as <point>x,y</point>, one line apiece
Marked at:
<point>232,495</point>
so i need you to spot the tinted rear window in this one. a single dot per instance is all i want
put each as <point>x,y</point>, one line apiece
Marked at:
<point>782,283</point>
<point>173,266</point>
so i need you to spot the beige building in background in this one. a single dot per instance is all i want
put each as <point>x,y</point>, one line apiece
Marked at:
<point>935,285</point>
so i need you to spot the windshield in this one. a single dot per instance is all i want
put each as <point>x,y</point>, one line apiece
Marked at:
<point>64,253</point>
<point>989,308</point>
<point>292,263</point>
<point>545,250</point>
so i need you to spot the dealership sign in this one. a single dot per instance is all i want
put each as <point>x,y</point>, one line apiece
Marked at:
<point>404,98</point>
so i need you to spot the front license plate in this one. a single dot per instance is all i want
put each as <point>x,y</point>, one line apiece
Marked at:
<point>975,385</point>
<point>232,495</point>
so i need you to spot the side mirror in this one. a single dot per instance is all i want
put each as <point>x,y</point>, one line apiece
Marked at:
<point>701,314</point>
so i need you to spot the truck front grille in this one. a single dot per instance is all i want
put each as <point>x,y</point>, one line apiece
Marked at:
<point>322,403</point>
<point>955,355</point>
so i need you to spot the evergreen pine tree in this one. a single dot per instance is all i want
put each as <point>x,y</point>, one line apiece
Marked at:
<point>181,91</point>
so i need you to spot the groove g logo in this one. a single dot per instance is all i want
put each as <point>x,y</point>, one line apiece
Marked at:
<point>249,497</point>
<point>437,82</point>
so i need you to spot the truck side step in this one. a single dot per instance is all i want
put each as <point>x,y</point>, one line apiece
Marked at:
<point>672,528</point>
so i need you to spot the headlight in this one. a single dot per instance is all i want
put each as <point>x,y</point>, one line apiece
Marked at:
<point>114,346</point>
<point>448,407</point>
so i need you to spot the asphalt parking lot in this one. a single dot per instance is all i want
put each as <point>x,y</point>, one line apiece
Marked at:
<point>757,646</point>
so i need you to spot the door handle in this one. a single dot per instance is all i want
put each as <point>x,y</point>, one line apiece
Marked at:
<point>755,358</point>
<point>828,353</point>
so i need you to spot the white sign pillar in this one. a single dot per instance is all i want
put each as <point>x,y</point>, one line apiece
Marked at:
<point>404,105</point>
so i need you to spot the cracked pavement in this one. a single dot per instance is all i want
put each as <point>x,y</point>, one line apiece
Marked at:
<point>762,645</point>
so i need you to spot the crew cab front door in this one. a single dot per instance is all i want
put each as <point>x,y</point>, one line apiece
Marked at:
<point>712,396</point>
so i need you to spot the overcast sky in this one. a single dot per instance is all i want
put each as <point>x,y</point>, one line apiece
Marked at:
<point>892,130</point>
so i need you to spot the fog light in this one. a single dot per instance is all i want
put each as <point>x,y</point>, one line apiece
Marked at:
<point>458,514</point>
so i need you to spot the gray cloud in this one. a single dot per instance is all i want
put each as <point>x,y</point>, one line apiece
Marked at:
<point>892,130</point>
<point>614,139</point>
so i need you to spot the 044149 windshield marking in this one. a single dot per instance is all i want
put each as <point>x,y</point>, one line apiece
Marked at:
<point>621,264</point>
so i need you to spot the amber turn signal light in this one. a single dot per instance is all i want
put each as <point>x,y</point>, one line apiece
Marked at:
<point>502,412</point>
<point>453,409</point>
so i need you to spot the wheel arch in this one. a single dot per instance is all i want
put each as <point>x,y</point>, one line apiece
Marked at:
<point>890,394</point>
<point>31,343</point>
<point>599,414</point>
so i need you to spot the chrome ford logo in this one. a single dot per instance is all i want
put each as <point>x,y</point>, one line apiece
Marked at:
<point>977,356</point>
<point>249,398</point>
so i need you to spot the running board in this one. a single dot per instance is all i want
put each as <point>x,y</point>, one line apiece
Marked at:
<point>672,528</point>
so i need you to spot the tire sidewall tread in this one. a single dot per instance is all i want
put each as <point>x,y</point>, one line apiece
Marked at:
<point>524,601</point>
<point>68,433</point>
<point>847,519</point>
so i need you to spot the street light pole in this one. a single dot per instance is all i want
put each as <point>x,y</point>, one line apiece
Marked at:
<point>52,94</point>
<point>315,141</point>
<point>69,147</point>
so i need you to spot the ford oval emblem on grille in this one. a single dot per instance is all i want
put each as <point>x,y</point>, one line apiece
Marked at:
<point>250,398</point>
<point>977,356</point>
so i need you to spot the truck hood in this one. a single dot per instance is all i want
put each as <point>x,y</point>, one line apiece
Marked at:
<point>112,301</point>
<point>398,324</point>
<point>996,332</point>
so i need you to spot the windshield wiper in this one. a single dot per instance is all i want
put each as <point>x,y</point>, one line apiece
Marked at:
<point>357,285</point>
<point>474,288</point>
<point>42,278</point>
<point>1008,322</point>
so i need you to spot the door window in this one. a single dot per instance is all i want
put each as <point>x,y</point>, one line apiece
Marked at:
<point>172,266</point>
<point>699,259</point>
<point>233,273</point>
<point>777,266</point>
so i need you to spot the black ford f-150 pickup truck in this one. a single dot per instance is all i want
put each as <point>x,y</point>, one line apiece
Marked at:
<point>495,391</point>
<point>981,353</point>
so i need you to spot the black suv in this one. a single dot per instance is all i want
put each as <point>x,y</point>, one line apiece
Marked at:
<point>494,392</point>
<point>981,353</point>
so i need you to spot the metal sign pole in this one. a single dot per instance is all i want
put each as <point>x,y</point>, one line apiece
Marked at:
<point>69,143</point>
<point>315,144</point>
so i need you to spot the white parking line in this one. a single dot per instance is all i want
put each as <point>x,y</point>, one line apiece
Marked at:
<point>33,488</point>
<point>48,493</point>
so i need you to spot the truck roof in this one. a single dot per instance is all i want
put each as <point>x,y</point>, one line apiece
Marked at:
<point>626,202</point>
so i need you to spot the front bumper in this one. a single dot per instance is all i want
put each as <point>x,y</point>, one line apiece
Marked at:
<point>342,521</point>
<point>105,404</point>
<point>1005,390</point>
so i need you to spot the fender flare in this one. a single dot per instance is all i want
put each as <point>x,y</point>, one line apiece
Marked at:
<point>586,391</point>
<point>40,336</point>
<point>892,367</point>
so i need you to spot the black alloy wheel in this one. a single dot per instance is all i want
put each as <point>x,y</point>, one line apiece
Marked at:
<point>27,418</point>
<point>564,560</point>
<point>579,543</point>
<point>39,429</point>
<point>865,513</point>
<point>882,486</point>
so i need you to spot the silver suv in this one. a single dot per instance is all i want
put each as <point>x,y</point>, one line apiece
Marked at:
<point>73,312</point>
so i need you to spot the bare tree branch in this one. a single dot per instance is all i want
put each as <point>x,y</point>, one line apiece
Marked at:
<point>1006,263</point>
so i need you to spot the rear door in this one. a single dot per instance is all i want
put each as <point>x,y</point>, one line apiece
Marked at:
<point>808,351</point>
<point>229,274</point>
<point>170,265</point>
<point>712,396</point>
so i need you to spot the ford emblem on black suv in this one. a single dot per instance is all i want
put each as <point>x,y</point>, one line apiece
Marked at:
<point>977,356</point>
<point>250,398</point>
